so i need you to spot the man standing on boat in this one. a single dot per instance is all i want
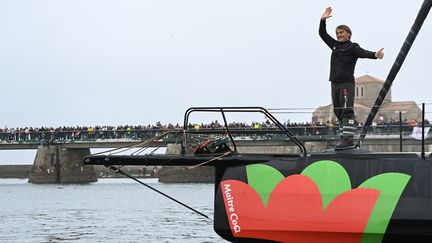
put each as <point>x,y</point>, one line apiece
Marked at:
<point>343,60</point>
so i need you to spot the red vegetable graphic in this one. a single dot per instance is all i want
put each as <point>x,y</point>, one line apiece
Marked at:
<point>294,212</point>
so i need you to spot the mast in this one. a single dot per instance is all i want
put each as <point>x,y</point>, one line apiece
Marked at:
<point>421,16</point>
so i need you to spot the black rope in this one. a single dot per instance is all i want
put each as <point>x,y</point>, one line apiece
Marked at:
<point>117,170</point>
<point>421,16</point>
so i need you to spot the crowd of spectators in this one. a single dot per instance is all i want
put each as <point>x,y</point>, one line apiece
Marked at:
<point>140,132</point>
<point>83,133</point>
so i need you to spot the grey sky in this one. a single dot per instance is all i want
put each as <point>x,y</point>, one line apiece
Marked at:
<point>103,62</point>
<point>136,62</point>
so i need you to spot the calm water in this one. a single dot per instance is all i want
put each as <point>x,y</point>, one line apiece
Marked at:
<point>111,210</point>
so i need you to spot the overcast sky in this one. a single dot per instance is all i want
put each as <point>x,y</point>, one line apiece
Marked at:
<point>104,62</point>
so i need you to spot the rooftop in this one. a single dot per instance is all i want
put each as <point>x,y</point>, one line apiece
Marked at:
<point>368,79</point>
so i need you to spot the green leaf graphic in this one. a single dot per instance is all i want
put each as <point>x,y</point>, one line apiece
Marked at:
<point>391,186</point>
<point>330,177</point>
<point>333,180</point>
<point>263,179</point>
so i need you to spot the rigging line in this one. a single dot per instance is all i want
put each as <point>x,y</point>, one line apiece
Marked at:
<point>139,151</point>
<point>126,147</point>
<point>290,112</point>
<point>210,160</point>
<point>154,150</point>
<point>291,108</point>
<point>117,170</point>
<point>162,163</point>
<point>120,151</point>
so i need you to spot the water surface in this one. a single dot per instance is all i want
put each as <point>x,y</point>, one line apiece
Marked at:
<point>111,210</point>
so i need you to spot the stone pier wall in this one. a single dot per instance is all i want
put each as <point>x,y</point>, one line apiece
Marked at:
<point>54,164</point>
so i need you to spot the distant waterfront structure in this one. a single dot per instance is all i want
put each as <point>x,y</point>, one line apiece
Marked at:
<point>367,89</point>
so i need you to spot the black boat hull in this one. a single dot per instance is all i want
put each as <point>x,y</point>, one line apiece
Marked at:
<point>410,218</point>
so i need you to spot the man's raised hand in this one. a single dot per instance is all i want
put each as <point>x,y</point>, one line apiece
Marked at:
<point>327,13</point>
<point>380,54</point>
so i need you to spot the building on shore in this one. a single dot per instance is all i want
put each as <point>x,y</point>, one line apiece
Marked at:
<point>367,89</point>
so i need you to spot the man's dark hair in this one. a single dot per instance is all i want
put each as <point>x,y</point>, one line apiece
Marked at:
<point>346,28</point>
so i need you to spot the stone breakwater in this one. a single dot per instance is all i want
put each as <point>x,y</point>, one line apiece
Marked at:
<point>15,171</point>
<point>23,171</point>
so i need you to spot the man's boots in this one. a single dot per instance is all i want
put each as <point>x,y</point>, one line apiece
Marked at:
<point>348,132</point>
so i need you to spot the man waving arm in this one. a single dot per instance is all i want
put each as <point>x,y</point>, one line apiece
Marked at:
<point>330,41</point>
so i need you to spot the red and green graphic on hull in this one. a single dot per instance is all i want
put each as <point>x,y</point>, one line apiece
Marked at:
<point>318,205</point>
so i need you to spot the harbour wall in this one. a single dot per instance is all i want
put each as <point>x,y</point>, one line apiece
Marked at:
<point>23,171</point>
<point>15,171</point>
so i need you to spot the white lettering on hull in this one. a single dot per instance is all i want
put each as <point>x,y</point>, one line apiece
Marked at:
<point>233,217</point>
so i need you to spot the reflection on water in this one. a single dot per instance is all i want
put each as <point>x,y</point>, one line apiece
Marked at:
<point>111,210</point>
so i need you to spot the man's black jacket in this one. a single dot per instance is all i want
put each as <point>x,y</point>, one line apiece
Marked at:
<point>344,56</point>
